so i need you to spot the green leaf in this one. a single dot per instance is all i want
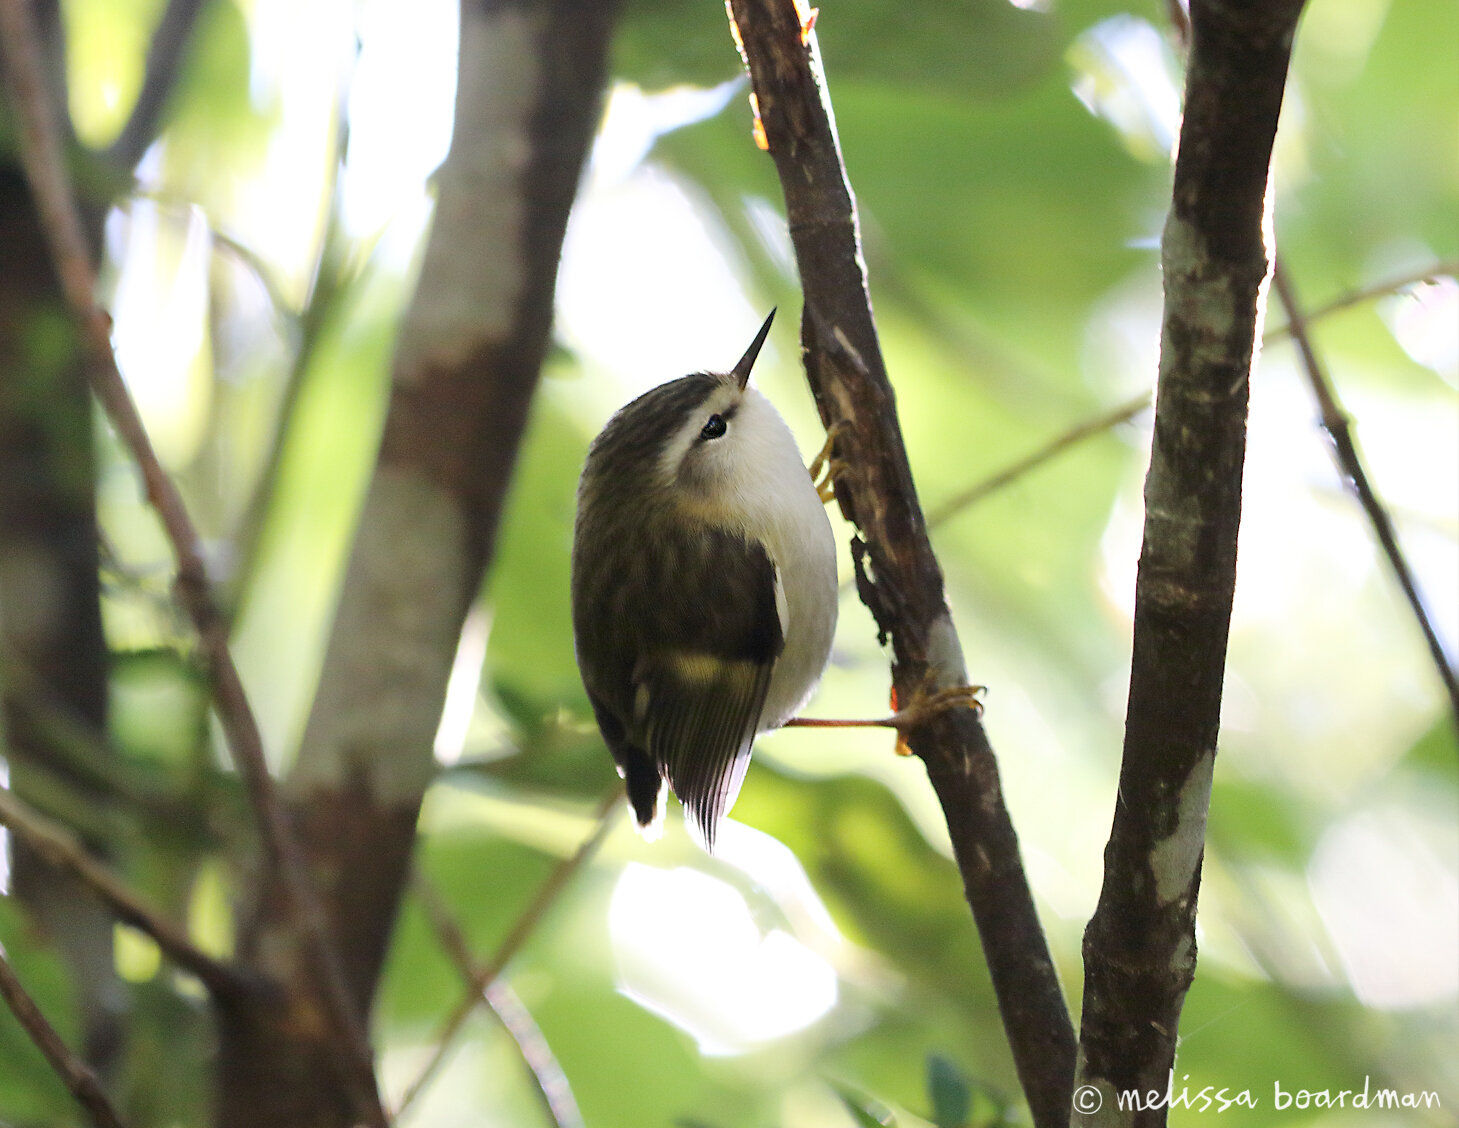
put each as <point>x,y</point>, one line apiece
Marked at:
<point>949,1093</point>
<point>868,1114</point>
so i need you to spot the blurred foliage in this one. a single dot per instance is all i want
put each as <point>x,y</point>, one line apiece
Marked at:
<point>1011,232</point>
<point>32,1093</point>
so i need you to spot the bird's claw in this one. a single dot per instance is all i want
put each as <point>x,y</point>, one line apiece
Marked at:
<point>927,704</point>
<point>825,468</point>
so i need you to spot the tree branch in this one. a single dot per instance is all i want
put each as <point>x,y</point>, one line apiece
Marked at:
<point>875,490</point>
<point>1336,423</point>
<point>1367,294</point>
<point>950,508</point>
<point>46,170</point>
<point>164,57</point>
<point>1139,948</point>
<point>552,1083</point>
<point>76,1075</point>
<point>482,976</point>
<point>60,848</point>
<point>466,364</point>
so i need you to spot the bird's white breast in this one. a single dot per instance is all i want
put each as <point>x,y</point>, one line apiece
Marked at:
<point>776,503</point>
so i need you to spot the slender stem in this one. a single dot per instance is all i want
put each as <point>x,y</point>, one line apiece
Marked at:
<point>946,510</point>
<point>972,495</point>
<point>1336,423</point>
<point>45,166</point>
<point>1367,294</point>
<point>484,974</point>
<point>551,1079</point>
<point>75,1073</point>
<point>547,1071</point>
<point>1032,461</point>
<point>842,722</point>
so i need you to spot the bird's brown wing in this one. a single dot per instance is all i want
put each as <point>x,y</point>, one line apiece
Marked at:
<point>702,713</point>
<point>693,632</point>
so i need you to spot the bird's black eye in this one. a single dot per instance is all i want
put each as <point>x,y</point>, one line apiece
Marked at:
<point>715,428</point>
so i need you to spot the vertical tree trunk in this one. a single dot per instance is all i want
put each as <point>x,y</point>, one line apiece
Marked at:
<point>529,91</point>
<point>1139,949</point>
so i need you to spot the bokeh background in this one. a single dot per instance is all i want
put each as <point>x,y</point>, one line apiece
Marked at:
<point>1012,165</point>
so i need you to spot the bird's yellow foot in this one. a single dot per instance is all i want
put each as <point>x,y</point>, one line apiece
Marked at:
<point>927,703</point>
<point>825,468</point>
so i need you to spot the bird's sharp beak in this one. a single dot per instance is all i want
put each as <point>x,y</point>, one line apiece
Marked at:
<point>741,371</point>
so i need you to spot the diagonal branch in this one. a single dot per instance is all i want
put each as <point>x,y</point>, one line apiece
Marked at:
<point>59,847</point>
<point>46,169</point>
<point>950,508</point>
<point>75,1073</point>
<point>483,975</point>
<point>1366,294</point>
<point>1139,948</point>
<point>164,57</point>
<point>552,1082</point>
<point>1336,423</point>
<point>875,490</point>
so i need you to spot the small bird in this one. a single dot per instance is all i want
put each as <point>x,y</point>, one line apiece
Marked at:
<point>703,587</point>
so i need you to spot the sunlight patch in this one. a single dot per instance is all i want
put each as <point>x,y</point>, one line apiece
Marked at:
<point>1125,73</point>
<point>688,948</point>
<point>1391,905</point>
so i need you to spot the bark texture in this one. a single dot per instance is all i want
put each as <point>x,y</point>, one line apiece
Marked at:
<point>898,576</point>
<point>530,85</point>
<point>1139,948</point>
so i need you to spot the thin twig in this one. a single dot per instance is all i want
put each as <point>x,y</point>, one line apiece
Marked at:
<point>484,974</point>
<point>73,1072</point>
<point>1001,479</point>
<point>552,1083</point>
<point>1367,294</point>
<point>1350,464</point>
<point>46,168</point>
<point>965,499</point>
<point>954,505</point>
<point>59,847</point>
<point>547,1071</point>
<point>969,497</point>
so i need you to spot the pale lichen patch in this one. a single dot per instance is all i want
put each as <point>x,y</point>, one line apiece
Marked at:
<point>1200,296</point>
<point>1173,860</point>
<point>945,653</point>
